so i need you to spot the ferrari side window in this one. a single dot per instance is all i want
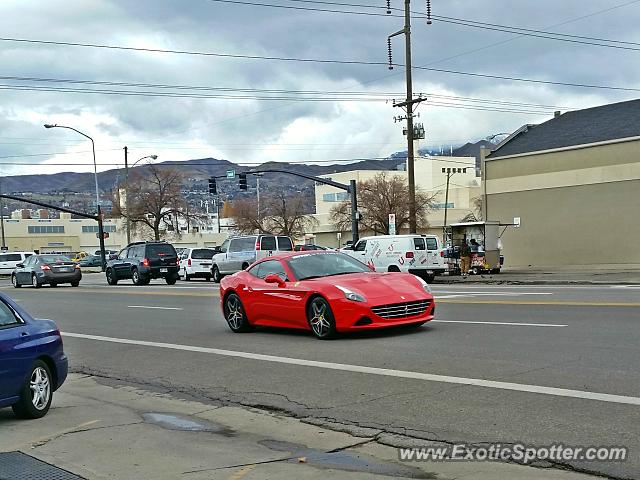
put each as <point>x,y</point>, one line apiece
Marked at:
<point>271,266</point>
<point>255,271</point>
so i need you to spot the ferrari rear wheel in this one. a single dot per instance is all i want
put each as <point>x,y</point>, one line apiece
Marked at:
<point>235,314</point>
<point>320,318</point>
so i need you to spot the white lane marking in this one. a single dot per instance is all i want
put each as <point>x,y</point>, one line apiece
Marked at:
<point>503,323</point>
<point>150,307</point>
<point>486,294</point>
<point>494,292</point>
<point>478,382</point>
<point>625,286</point>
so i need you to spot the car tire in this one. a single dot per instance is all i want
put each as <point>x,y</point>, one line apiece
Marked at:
<point>187,278</point>
<point>430,278</point>
<point>111,277</point>
<point>235,314</point>
<point>245,266</point>
<point>136,278</point>
<point>34,281</point>
<point>14,281</point>
<point>215,274</point>
<point>75,284</point>
<point>36,394</point>
<point>475,271</point>
<point>171,280</point>
<point>53,285</point>
<point>321,319</point>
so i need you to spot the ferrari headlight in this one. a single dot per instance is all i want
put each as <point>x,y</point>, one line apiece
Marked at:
<point>350,295</point>
<point>425,285</point>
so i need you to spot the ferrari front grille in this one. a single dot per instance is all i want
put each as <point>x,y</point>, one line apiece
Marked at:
<point>402,310</point>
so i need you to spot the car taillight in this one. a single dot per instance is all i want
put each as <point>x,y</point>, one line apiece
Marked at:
<point>409,254</point>
<point>258,244</point>
<point>442,253</point>
<point>145,262</point>
<point>45,267</point>
<point>189,262</point>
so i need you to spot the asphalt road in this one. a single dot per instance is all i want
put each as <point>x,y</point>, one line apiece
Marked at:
<point>559,364</point>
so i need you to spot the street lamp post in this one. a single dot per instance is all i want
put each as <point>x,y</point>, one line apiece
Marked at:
<point>95,176</point>
<point>126,187</point>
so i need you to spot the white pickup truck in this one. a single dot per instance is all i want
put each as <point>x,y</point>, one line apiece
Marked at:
<point>421,255</point>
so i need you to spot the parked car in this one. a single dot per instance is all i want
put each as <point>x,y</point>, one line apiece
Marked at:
<point>308,246</point>
<point>237,253</point>
<point>418,254</point>
<point>52,269</point>
<point>32,361</point>
<point>91,261</point>
<point>326,292</point>
<point>143,261</point>
<point>196,263</point>
<point>108,254</point>
<point>9,260</point>
<point>79,256</point>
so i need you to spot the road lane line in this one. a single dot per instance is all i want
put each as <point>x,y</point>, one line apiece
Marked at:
<point>503,323</point>
<point>386,372</point>
<point>559,303</point>
<point>150,307</point>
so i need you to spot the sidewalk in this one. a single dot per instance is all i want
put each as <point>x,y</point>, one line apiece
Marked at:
<point>94,431</point>
<point>592,275</point>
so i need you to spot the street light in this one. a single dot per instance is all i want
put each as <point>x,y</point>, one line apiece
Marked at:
<point>126,186</point>
<point>95,176</point>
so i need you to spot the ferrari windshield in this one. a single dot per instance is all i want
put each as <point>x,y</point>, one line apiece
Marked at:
<point>316,265</point>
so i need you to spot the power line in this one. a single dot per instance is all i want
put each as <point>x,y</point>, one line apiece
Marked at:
<point>316,60</point>
<point>593,41</point>
<point>349,93</point>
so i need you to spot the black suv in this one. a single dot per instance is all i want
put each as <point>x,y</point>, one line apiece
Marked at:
<point>142,261</point>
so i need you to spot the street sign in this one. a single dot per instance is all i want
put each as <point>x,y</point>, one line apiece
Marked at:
<point>4,249</point>
<point>231,174</point>
<point>392,224</point>
<point>105,235</point>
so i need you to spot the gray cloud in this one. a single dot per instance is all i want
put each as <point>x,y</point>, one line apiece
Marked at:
<point>239,130</point>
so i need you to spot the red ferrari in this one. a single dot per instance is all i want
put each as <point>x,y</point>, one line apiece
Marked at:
<point>323,291</point>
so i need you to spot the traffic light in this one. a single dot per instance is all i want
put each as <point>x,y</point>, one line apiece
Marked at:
<point>213,189</point>
<point>242,181</point>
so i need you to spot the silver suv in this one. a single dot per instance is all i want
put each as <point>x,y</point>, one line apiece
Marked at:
<point>237,253</point>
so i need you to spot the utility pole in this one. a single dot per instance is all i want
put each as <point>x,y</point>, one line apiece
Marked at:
<point>258,175</point>
<point>446,206</point>
<point>408,104</point>
<point>4,244</point>
<point>126,193</point>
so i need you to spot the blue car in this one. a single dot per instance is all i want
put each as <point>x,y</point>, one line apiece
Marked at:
<point>32,361</point>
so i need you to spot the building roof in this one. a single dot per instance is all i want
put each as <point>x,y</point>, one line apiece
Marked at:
<point>579,127</point>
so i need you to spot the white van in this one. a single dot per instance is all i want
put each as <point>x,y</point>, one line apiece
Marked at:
<point>8,261</point>
<point>421,255</point>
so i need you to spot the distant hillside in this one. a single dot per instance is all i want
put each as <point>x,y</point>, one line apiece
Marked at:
<point>198,170</point>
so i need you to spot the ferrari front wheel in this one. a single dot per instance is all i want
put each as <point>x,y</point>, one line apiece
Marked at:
<point>235,314</point>
<point>320,318</point>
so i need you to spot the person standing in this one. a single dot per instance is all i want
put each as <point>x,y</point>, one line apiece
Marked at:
<point>465,258</point>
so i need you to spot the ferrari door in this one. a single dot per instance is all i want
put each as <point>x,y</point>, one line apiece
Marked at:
<point>278,305</point>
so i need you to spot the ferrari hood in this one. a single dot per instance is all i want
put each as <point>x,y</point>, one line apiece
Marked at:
<point>382,288</point>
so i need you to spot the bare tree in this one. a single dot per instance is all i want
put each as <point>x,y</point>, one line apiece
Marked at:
<point>279,215</point>
<point>245,216</point>
<point>377,198</point>
<point>287,216</point>
<point>156,201</point>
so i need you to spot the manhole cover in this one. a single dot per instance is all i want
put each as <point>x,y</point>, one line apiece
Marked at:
<point>20,466</point>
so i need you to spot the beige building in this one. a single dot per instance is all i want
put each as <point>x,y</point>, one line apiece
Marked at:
<point>430,176</point>
<point>66,234</point>
<point>573,186</point>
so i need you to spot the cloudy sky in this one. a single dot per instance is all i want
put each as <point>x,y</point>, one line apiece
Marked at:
<point>147,100</point>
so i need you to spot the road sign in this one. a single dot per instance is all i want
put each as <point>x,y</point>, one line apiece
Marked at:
<point>231,174</point>
<point>392,224</point>
<point>105,235</point>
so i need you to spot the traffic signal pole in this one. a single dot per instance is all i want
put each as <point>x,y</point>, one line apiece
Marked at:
<point>351,189</point>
